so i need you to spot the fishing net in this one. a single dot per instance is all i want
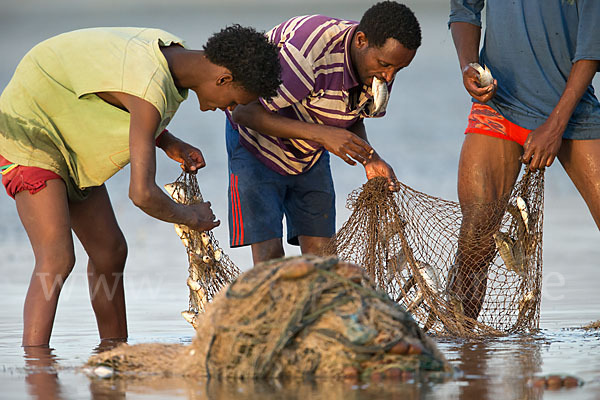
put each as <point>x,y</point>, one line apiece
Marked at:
<point>294,318</point>
<point>209,267</point>
<point>483,279</point>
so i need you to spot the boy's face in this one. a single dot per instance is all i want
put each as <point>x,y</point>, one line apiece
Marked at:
<point>383,62</point>
<point>222,94</point>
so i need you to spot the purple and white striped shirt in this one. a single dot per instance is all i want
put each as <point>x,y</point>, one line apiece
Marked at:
<point>317,75</point>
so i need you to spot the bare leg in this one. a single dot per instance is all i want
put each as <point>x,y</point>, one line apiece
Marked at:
<point>95,225</point>
<point>313,244</point>
<point>581,160</point>
<point>488,169</point>
<point>45,217</point>
<point>267,250</point>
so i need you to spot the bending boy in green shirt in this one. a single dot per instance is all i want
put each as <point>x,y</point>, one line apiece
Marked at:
<point>79,107</point>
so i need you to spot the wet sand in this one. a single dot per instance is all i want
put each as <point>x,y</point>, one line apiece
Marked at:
<point>420,137</point>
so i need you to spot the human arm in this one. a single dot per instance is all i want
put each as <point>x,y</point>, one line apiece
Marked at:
<point>375,166</point>
<point>466,37</point>
<point>542,144</point>
<point>190,157</point>
<point>143,191</point>
<point>341,142</point>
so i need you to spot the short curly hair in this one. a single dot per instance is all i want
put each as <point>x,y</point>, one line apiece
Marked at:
<point>249,56</point>
<point>389,19</point>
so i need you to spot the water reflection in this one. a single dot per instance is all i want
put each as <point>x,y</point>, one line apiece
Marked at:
<point>499,368</point>
<point>211,389</point>
<point>114,389</point>
<point>42,375</point>
<point>315,389</point>
<point>496,368</point>
<point>107,344</point>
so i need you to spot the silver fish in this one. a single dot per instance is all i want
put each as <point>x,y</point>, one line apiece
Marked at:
<point>190,317</point>
<point>176,191</point>
<point>218,254</point>
<point>457,307</point>
<point>205,238</point>
<point>181,231</point>
<point>103,372</point>
<point>380,95</point>
<point>193,284</point>
<point>511,252</point>
<point>526,305</point>
<point>432,280</point>
<point>526,302</point>
<point>485,75</point>
<point>524,212</point>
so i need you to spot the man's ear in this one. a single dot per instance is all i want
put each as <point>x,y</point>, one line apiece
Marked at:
<point>360,40</point>
<point>224,79</point>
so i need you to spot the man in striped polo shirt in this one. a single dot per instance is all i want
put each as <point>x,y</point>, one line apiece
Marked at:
<point>279,150</point>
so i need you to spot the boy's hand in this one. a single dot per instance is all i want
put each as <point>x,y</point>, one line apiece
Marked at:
<point>190,157</point>
<point>203,218</point>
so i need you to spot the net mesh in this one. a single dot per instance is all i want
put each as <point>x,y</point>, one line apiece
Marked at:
<point>483,279</point>
<point>209,267</point>
<point>295,317</point>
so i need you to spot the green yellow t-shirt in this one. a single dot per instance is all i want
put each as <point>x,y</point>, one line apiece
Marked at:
<point>50,116</point>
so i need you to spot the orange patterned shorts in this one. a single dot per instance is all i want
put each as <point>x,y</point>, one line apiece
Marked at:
<point>485,120</point>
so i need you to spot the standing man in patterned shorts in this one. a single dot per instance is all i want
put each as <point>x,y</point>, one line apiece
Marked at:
<point>279,149</point>
<point>540,106</point>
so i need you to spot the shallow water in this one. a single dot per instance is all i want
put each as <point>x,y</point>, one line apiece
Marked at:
<point>420,137</point>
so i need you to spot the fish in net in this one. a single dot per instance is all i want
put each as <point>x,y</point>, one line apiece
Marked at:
<point>483,279</point>
<point>209,267</point>
<point>296,318</point>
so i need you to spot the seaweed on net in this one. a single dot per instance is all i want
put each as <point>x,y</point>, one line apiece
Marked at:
<point>210,268</point>
<point>483,279</point>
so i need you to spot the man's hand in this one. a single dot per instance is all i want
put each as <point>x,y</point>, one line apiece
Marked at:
<point>471,82</point>
<point>542,145</point>
<point>378,167</point>
<point>346,145</point>
<point>203,218</point>
<point>341,142</point>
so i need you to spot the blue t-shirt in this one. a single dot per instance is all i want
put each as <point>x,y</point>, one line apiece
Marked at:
<point>530,47</point>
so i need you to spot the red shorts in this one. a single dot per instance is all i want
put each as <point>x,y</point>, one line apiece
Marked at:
<point>486,121</point>
<point>17,178</point>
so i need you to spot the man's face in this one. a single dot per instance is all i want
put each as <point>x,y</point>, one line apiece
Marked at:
<point>382,62</point>
<point>222,95</point>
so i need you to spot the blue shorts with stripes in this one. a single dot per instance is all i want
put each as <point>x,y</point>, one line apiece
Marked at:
<point>259,198</point>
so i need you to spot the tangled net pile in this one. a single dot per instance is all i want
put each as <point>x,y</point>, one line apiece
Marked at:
<point>485,280</point>
<point>294,318</point>
<point>209,268</point>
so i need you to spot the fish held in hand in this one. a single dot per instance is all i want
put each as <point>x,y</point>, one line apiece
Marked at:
<point>485,75</point>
